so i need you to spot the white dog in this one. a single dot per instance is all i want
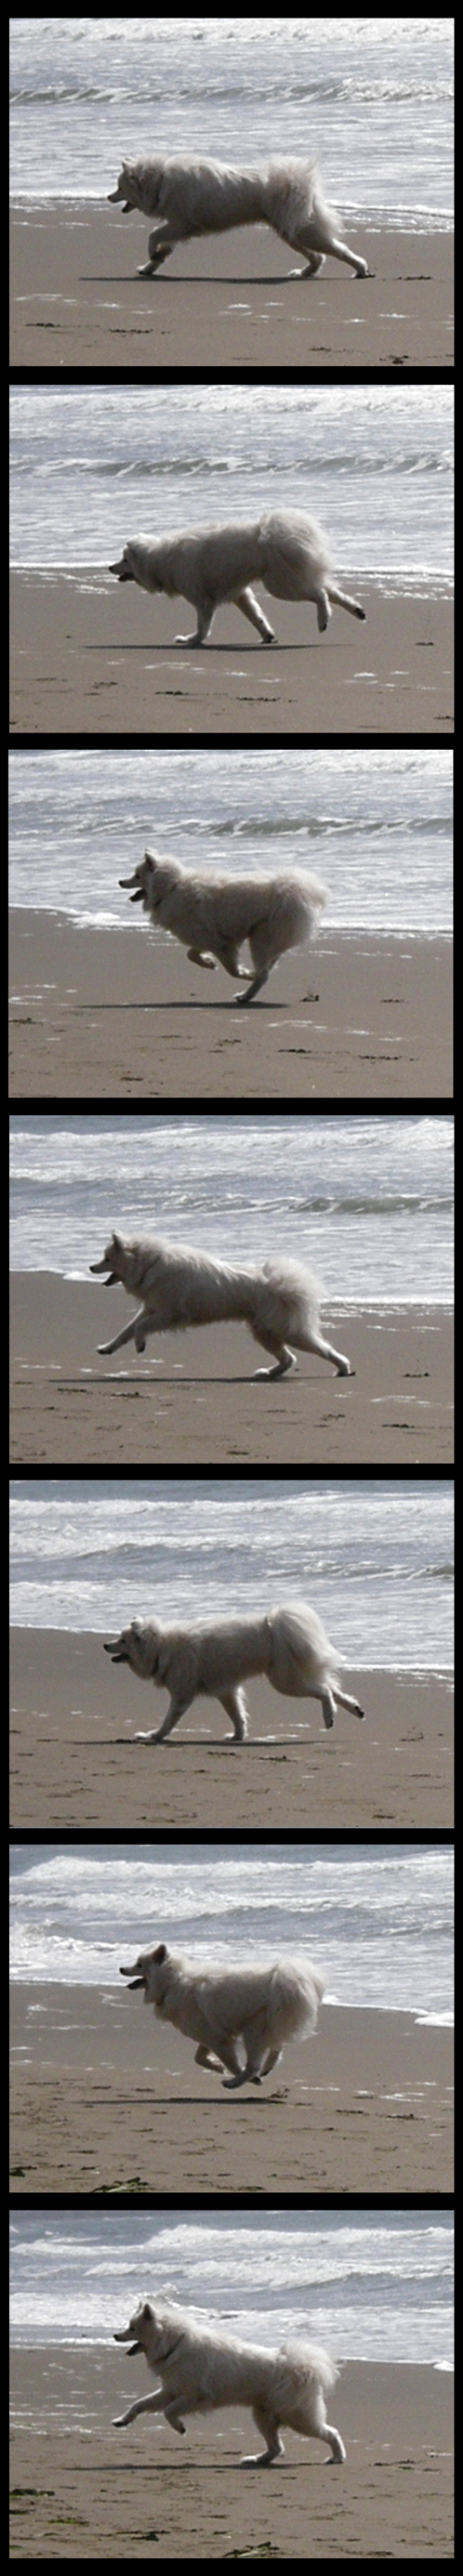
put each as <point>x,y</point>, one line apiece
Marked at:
<point>212,1661</point>
<point>255,2009</point>
<point>179,1288</point>
<point>191,197</point>
<point>200,2369</point>
<point>211,911</point>
<point>284,550</point>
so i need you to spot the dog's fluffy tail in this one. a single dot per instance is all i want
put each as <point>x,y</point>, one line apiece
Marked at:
<point>297,198</point>
<point>293,914</point>
<point>294,554</point>
<point>296,1290</point>
<point>310,2361</point>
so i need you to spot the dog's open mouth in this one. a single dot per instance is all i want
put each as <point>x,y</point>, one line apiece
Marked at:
<point>117,1653</point>
<point>139,895</point>
<point>134,1981</point>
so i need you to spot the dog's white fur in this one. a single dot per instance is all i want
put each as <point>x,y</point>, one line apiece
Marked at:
<point>229,2010</point>
<point>200,2369</point>
<point>208,910</point>
<point>179,1288</point>
<point>192,196</point>
<point>284,550</point>
<point>213,1659</point>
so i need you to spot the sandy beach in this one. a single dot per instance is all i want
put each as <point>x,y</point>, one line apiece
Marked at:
<point>87,2491</point>
<point>76,300</point>
<point>74,1762</point>
<point>196,1400</point>
<point>370,2095</point>
<point>101,1014</point>
<point>89,657</point>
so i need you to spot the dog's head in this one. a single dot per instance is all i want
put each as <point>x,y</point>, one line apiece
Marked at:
<point>142,881</point>
<point>138,562</point>
<point>124,570</point>
<point>137,1646</point>
<point>151,881</point>
<point>148,1973</point>
<point>124,190</point>
<point>112,1261</point>
<point>139,2326</point>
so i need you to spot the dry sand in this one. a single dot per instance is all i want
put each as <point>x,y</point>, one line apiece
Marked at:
<point>89,657</point>
<point>76,300</point>
<point>74,1762</point>
<point>195,1400</point>
<point>87,2491</point>
<point>103,2099</point>
<point>123,1015</point>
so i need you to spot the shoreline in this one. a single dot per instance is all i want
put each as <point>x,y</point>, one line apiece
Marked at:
<point>352,1016</point>
<point>88,657</point>
<point>74,1762</point>
<point>370,2093</point>
<point>227,300</point>
<point>394,2498</point>
<point>196,1401</point>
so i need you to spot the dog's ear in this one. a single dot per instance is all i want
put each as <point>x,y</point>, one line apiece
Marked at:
<point>160,1954</point>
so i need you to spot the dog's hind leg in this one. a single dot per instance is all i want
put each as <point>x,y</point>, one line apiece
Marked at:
<point>244,599</point>
<point>316,251</point>
<point>329,2434</point>
<point>343,1701</point>
<point>313,1341</point>
<point>267,2425</point>
<point>312,265</point>
<point>254,986</point>
<point>233,1701</point>
<point>285,1359</point>
<point>340,250</point>
<point>259,2057</point>
<point>271,2060</point>
<point>342,599</point>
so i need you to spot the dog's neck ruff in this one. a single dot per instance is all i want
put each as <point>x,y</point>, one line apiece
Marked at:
<point>169,2356</point>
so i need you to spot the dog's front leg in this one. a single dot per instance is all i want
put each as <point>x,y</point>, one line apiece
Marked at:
<point>204,2057</point>
<point>128,1334</point>
<point>160,243</point>
<point>143,2406</point>
<point>204,616</point>
<point>171,1719</point>
<point>244,599</point>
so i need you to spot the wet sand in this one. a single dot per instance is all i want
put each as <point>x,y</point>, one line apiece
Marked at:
<point>89,656</point>
<point>87,2491</point>
<point>116,1015</point>
<point>74,1762</point>
<point>196,1399</point>
<point>102,2095</point>
<point>228,301</point>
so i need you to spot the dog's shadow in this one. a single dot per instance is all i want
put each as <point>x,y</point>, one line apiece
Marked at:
<point>290,278</point>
